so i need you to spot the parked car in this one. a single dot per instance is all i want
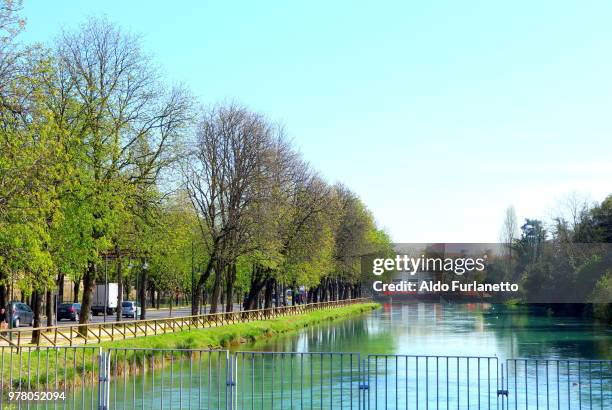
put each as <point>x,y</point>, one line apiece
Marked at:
<point>22,314</point>
<point>130,308</point>
<point>70,311</point>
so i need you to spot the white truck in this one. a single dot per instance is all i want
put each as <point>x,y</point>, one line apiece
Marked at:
<point>105,297</point>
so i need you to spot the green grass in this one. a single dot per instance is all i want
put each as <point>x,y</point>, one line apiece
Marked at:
<point>232,335</point>
<point>72,370</point>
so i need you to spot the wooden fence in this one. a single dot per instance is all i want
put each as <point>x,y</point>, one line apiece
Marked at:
<point>79,334</point>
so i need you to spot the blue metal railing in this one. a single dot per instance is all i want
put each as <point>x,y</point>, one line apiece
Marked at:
<point>432,382</point>
<point>132,378</point>
<point>559,384</point>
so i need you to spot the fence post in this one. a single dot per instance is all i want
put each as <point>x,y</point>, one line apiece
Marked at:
<point>103,379</point>
<point>230,382</point>
<point>364,385</point>
<point>502,391</point>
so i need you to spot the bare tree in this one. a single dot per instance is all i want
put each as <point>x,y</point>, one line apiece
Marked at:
<point>222,176</point>
<point>576,207</point>
<point>509,229</point>
<point>570,213</point>
<point>10,25</point>
<point>286,227</point>
<point>508,234</point>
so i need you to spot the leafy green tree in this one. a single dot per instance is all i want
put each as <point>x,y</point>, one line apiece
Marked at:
<point>123,123</point>
<point>30,167</point>
<point>602,297</point>
<point>88,136</point>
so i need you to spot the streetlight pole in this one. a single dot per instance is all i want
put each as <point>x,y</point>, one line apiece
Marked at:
<point>105,286</point>
<point>193,297</point>
<point>143,290</point>
<point>137,275</point>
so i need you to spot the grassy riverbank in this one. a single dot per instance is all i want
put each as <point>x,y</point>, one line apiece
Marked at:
<point>75,367</point>
<point>231,335</point>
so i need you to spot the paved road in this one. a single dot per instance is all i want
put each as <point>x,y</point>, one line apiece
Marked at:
<point>151,314</point>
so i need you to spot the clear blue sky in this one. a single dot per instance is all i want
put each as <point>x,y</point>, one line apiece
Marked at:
<point>438,114</point>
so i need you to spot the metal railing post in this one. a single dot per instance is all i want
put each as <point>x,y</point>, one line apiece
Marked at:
<point>231,382</point>
<point>364,385</point>
<point>103,380</point>
<point>502,390</point>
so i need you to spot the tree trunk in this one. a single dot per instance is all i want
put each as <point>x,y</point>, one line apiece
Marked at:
<point>127,289</point>
<point>223,298</point>
<point>37,307</point>
<point>315,295</point>
<point>278,294</point>
<point>89,283</point>
<point>50,308</point>
<point>335,289</point>
<point>195,305</point>
<point>60,287</point>
<point>258,281</point>
<point>143,291</point>
<point>3,298</point>
<point>321,291</point>
<point>214,300</point>
<point>75,290</point>
<point>204,300</point>
<point>293,294</point>
<point>152,295</point>
<point>229,288</point>
<point>268,293</point>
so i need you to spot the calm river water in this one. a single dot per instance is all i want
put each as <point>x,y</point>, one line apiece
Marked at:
<point>264,378</point>
<point>454,329</point>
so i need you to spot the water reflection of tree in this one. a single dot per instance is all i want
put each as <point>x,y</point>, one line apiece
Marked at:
<point>337,336</point>
<point>536,334</point>
<point>518,331</point>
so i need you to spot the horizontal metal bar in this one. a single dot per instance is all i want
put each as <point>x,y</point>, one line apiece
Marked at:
<point>432,356</point>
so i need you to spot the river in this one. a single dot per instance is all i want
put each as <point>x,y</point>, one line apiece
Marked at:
<point>454,329</point>
<point>264,378</point>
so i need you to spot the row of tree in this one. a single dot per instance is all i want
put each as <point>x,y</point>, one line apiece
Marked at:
<point>567,264</point>
<point>107,171</point>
